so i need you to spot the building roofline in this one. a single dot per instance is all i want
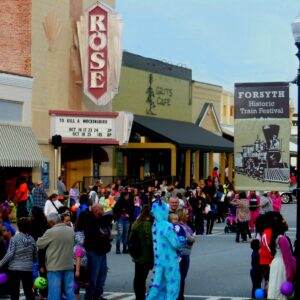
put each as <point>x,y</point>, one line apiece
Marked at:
<point>15,74</point>
<point>139,62</point>
<point>207,83</point>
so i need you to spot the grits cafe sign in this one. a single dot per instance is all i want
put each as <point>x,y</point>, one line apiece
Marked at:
<point>102,53</point>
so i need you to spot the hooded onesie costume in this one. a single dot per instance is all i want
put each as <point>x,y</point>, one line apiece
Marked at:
<point>166,280</point>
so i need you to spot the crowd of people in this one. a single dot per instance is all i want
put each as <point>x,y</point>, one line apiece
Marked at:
<point>66,236</point>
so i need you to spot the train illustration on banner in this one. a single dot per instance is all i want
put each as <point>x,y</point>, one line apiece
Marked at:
<point>263,159</point>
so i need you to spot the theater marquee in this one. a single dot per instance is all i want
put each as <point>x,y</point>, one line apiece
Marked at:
<point>112,128</point>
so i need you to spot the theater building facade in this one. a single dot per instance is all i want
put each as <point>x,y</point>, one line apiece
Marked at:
<point>161,123</point>
<point>70,53</point>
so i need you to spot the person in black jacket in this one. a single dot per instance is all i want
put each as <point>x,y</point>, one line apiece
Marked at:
<point>97,244</point>
<point>124,216</point>
<point>38,227</point>
<point>255,268</point>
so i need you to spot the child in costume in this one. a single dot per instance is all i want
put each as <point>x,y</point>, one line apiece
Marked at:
<point>166,281</point>
<point>79,255</point>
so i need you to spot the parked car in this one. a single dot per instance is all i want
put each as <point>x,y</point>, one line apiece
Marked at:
<point>287,197</point>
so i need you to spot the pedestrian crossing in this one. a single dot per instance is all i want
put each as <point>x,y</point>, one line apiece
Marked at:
<point>131,296</point>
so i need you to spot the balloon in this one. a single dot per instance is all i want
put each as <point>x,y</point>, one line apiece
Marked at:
<point>75,285</point>
<point>259,293</point>
<point>287,289</point>
<point>79,252</point>
<point>3,278</point>
<point>40,283</point>
<point>74,208</point>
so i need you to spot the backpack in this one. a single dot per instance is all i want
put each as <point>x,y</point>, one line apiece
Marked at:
<point>135,245</point>
<point>253,204</point>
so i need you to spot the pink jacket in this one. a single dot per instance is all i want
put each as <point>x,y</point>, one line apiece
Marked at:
<point>276,200</point>
<point>257,210</point>
<point>289,260</point>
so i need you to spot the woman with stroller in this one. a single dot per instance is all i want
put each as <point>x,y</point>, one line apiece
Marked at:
<point>231,220</point>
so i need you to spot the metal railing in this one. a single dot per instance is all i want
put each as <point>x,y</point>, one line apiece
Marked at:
<point>125,181</point>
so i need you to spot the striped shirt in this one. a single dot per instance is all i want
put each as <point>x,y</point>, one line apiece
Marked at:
<point>21,253</point>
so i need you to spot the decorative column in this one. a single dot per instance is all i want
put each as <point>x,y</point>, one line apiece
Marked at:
<point>173,162</point>
<point>187,168</point>
<point>222,167</point>
<point>142,171</point>
<point>211,163</point>
<point>125,164</point>
<point>197,166</point>
<point>230,166</point>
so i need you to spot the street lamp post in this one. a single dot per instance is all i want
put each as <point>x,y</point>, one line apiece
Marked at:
<point>296,34</point>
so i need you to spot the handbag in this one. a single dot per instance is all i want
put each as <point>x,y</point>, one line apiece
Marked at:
<point>207,209</point>
<point>54,206</point>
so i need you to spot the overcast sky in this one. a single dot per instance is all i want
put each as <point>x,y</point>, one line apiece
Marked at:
<point>222,41</point>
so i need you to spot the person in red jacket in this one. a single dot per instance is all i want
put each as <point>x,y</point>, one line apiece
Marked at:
<point>21,197</point>
<point>265,255</point>
<point>293,179</point>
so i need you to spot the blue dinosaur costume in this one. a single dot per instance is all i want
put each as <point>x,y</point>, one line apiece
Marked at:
<point>166,281</point>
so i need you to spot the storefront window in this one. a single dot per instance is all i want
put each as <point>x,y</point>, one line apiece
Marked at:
<point>11,111</point>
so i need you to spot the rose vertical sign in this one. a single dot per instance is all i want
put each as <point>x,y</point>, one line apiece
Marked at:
<point>101,31</point>
<point>97,54</point>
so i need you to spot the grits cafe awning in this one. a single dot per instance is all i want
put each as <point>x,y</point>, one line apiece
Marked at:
<point>185,135</point>
<point>18,147</point>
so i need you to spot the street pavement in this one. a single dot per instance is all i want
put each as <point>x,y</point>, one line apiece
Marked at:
<point>219,267</point>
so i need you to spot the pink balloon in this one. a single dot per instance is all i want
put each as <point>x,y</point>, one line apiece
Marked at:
<point>79,252</point>
<point>3,278</point>
<point>287,289</point>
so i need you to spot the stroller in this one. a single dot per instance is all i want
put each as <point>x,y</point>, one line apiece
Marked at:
<point>231,221</point>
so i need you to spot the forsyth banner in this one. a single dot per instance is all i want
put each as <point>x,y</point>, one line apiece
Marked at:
<point>261,138</point>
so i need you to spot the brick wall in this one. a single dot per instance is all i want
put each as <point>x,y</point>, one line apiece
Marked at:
<point>15,36</point>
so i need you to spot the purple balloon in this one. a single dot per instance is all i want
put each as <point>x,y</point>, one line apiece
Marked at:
<point>75,286</point>
<point>3,278</point>
<point>287,289</point>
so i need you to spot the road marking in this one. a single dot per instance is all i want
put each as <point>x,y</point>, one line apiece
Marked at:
<point>215,233</point>
<point>131,296</point>
<point>216,297</point>
<point>110,296</point>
